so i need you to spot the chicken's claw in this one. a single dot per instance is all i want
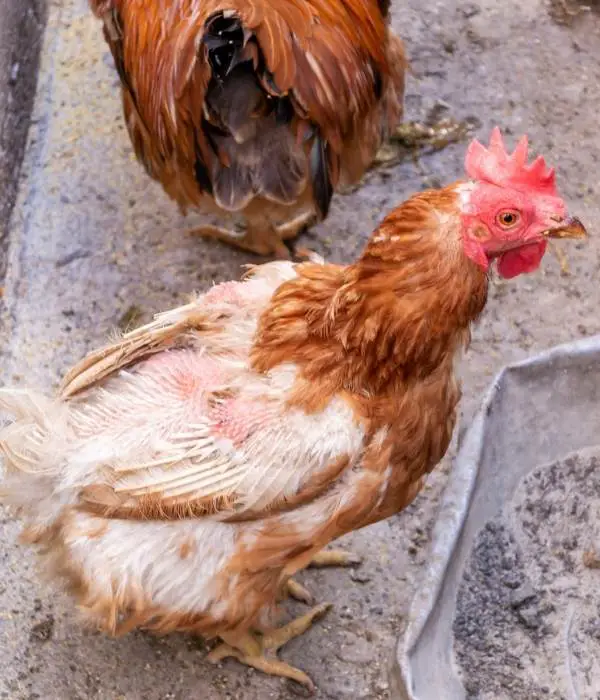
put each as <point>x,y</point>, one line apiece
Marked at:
<point>298,592</point>
<point>261,652</point>
<point>291,228</point>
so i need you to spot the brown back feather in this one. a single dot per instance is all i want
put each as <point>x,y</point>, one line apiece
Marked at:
<point>331,56</point>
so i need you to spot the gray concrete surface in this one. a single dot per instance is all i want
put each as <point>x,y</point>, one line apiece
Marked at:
<point>93,240</point>
<point>21,27</point>
<point>507,606</point>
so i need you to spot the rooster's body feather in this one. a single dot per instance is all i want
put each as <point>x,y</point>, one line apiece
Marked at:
<point>261,108</point>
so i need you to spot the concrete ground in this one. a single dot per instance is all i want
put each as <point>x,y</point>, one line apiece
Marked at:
<point>21,27</point>
<point>94,243</point>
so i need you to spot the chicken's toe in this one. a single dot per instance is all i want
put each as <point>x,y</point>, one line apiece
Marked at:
<point>326,558</point>
<point>334,557</point>
<point>299,592</point>
<point>260,652</point>
<point>291,228</point>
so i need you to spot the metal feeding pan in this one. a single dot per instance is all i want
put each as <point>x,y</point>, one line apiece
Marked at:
<point>536,413</point>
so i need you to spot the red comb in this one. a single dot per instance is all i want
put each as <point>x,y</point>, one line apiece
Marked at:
<point>494,164</point>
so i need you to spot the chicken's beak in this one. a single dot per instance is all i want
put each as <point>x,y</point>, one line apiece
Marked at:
<point>567,228</point>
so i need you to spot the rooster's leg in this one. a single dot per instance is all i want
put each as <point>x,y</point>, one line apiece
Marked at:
<point>294,226</point>
<point>328,557</point>
<point>260,651</point>
<point>262,240</point>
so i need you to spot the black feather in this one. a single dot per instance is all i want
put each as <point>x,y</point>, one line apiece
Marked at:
<point>203,176</point>
<point>384,7</point>
<point>378,86</point>
<point>284,111</point>
<point>201,171</point>
<point>115,41</point>
<point>319,175</point>
<point>224,40</point>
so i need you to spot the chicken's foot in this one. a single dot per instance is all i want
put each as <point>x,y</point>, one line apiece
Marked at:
<point>260,651</point>
<point>328,557</point>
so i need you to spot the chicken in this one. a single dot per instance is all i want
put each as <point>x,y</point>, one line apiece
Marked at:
<point>257,108</point>
<point>184,473</point>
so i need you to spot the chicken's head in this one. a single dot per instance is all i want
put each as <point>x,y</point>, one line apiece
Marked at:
<point>510,208</point>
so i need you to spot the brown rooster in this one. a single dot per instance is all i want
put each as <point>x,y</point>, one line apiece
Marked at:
<point>256,107</point>
<point>186,472</point>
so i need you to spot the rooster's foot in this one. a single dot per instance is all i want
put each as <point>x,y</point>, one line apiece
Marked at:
<point>265,241</point>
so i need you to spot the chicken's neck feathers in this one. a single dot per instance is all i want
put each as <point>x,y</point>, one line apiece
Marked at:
<point>398,312</point>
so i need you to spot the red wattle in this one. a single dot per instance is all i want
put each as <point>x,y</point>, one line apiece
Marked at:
<point>525,259</point>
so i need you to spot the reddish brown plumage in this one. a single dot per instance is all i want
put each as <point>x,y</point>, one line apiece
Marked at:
<point>327,72</point>
<point>393,315</point>
<point>384,332</point>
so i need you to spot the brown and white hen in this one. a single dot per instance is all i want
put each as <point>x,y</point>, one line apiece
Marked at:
<point>184,473</point>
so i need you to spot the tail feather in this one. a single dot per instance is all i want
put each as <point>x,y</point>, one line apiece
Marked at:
<point>30,445</point>
<point>32,449</point>
<point>249,122</point>
<point>25,404</point>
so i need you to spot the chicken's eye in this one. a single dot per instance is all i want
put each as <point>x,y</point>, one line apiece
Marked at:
<point>508,219</point>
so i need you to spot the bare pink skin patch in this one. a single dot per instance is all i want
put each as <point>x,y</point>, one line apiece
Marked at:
<point>186,375</point>
<point>194,380</point>
<point>236,419</point>
<point>228,292</point>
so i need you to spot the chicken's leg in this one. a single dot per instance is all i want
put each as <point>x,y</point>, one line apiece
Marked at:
<point>325,558</point>
<point>260,651</point>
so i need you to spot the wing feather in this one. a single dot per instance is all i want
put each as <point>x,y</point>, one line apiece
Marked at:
<point>165,424</point>
<point>152,451</point>
<point>276,463</point>
<point>172,328</point>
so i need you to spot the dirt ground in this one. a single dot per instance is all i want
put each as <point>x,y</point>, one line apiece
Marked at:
<point>93,244</point>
